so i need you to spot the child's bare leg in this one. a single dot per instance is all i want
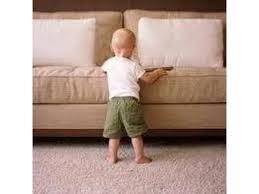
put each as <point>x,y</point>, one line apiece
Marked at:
<point>113,150</point>
<point>138,146</point>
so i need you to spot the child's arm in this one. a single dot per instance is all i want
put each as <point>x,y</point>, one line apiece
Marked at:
<point>151,77</point>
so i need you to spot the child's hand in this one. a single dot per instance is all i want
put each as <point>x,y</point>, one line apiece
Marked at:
<point>151,77</point>
<point>160,72</point>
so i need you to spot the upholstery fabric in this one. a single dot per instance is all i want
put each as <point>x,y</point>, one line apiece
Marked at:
<point>132,17</point>
<point>55,84</point>
<point>106,23</point>
<point>180,42</point>
<point>157,116</point>
<point>64,41</point>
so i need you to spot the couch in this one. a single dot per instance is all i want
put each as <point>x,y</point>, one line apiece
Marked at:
<point>71,101</point>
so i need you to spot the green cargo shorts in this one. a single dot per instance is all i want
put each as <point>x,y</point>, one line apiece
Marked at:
<point>124,113</point>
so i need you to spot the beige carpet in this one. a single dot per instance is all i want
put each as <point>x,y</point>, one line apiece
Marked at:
<point>179,167</point>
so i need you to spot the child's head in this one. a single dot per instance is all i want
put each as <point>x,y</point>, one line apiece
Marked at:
<point>123,42</point>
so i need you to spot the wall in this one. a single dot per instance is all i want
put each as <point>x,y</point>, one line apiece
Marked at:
<point>121,5</point>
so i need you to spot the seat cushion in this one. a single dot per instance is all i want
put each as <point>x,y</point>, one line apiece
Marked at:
<point>67,84</point>
<point>78,84</point>
<point>187,85</point>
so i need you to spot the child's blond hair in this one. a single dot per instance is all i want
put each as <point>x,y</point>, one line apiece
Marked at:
<point>123,38</point>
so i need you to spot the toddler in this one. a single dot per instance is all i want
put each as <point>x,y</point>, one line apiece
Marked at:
<point>124,109</point>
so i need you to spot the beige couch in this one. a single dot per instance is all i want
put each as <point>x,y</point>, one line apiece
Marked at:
<point>71,101</point>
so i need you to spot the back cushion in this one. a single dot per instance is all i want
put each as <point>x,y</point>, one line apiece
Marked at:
<point>180,42</point>
<point>106,23</point>
<point>132,17</point>
<point>64,42</point>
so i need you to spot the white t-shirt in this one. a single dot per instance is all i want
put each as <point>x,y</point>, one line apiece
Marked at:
<point>123,75</point>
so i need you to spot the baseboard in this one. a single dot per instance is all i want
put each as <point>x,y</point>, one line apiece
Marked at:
<point>151,132</point>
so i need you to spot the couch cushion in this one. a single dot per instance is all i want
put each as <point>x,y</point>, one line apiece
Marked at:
<point>106,23</point>
<point>187,85</point>
<point>132,17</point>
<point>55,84</point>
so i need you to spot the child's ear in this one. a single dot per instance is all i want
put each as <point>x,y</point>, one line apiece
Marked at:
<point>134,45</point>
<point>112,50</point>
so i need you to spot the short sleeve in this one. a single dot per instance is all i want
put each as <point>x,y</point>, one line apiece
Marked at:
<point>105,66</point>
<point>139,71</point>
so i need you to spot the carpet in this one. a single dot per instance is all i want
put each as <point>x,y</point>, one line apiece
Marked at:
<point>178,167</point>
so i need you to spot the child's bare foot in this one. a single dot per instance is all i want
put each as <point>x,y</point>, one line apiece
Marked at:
<point>112,159</point>
<point>143,160</point>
